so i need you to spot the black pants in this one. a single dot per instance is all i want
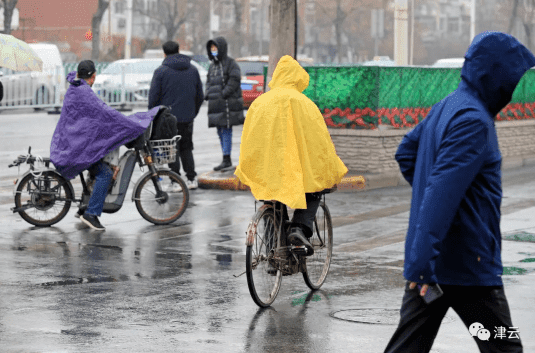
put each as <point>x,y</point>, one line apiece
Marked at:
<point>420,322</point>
<point>185,151</point>
<point>304,218</point>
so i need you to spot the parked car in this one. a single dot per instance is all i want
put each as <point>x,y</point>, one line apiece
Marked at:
<point>252,70</point>
<point>39,89</point>
<point>158,54</point>
<point>137,78</point>
<point>450,62</point>
<point>380,61</point>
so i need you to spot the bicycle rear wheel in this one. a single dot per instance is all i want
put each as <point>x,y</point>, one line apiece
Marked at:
<point>263,276</point>
<point>317,265</point>
<point>45,198</point>
<point>166,207</point>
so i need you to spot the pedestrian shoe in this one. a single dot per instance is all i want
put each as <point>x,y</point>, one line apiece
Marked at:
<point>192,184</point>
<point>225,164</point>
<point>173,188</point>
<point>297,238</point>
<point>79,213</point>
<point>92,222</point>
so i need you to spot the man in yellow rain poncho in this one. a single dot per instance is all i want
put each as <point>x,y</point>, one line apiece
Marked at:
<point>286,152</point>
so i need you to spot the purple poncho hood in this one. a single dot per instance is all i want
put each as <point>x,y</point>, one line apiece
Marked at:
<point>88,129</point>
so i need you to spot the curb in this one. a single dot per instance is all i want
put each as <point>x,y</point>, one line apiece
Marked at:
<point>352,182</point>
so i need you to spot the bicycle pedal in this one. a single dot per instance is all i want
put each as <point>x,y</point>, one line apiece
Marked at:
<point>300,251</point>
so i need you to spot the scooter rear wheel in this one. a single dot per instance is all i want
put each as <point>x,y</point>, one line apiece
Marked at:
<point>167,206</point>
<point>44,197</point>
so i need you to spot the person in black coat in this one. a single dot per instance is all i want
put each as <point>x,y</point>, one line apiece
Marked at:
<point>224,95</point>
<point>177,84</point>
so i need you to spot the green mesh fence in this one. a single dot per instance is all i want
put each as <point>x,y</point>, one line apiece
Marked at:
<point>365,97</point>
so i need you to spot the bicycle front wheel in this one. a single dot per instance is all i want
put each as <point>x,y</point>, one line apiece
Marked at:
<point>164,207</point>
<point>44,198</point>
<point>317,265</point>
<point>263,275</point>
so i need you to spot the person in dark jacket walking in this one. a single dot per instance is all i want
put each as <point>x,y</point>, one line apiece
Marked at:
<point>224,95</point>
<point>177,84</point>
<point>452,161</point>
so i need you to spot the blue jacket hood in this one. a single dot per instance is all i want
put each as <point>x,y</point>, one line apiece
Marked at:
<point>494,64</point>
<point>177,62</point>
<point>452,161</point>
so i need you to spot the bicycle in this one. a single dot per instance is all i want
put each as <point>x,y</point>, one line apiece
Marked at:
<point>269,257</point>
<point>43,196</point>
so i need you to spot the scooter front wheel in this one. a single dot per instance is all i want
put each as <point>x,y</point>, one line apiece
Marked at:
<point>162,207</point>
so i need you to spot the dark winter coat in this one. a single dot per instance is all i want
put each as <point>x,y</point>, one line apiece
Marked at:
<point>223,88</point>
<point>453,163</point>
<point>177,84</point>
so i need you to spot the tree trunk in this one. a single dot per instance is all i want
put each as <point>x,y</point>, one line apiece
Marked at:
<point>282,36</point>
<point>9,6</point>
<point>513,16</point>
<point>95,29</point>
<point>237,27</point>
<point>527,28</point>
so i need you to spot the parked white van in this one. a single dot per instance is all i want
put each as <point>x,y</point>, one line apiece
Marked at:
<point>38,89</point>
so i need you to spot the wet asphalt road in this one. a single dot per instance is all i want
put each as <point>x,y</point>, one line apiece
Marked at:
<point>144,288</point>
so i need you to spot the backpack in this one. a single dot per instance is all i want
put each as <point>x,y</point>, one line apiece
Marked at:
<point>164,125</point>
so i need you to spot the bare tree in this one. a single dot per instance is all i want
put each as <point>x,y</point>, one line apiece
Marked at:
<point>9,7</point>
<point>238,40</point>
<point>198,31</point>
<point>171,14</point>
<point>523,10</point>
<point>513,16</point>
<point>95,28</point>
<point>337,13</point>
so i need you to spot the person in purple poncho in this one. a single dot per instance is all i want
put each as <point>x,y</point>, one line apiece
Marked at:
<point>86,132</point>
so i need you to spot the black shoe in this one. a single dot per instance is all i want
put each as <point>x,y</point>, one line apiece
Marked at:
<point>225,164</point>
<point>271,270</point>
<point>79,213</point>
<point>297,238</point>
<point>92,222</point>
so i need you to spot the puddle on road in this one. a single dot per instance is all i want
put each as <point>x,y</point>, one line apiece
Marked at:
<point>79,281</point>
<point>375,316</point>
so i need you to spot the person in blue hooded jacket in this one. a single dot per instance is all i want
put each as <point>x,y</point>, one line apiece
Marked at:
<point>452,161</point>
<point>177,84</point>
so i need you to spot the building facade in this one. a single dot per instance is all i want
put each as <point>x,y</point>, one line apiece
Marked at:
<point>65,23</point>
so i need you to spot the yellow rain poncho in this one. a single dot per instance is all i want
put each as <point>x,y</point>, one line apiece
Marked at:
<point>286,150</point>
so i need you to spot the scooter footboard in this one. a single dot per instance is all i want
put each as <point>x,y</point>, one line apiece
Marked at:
<point>115,199</point>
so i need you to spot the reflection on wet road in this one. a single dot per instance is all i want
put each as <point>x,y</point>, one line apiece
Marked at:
<point>176,288</point>
<point>140,286</point>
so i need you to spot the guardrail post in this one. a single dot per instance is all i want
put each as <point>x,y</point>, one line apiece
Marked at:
<point>56,86</point>
<point>123,90</point>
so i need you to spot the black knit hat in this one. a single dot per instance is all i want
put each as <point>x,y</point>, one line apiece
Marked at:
<point>86,69</point>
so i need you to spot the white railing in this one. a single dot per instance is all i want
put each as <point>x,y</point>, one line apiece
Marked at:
<point>118,91</point>
<point>46,90</point>
<point>37,90</point>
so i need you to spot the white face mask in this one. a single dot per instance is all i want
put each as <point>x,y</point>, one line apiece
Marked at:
<point>214,53</point>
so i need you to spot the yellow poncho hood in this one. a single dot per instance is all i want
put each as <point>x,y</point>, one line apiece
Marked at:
<point>286,149</point>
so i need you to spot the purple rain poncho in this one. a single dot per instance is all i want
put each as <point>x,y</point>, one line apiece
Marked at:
<point>88,129</point>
